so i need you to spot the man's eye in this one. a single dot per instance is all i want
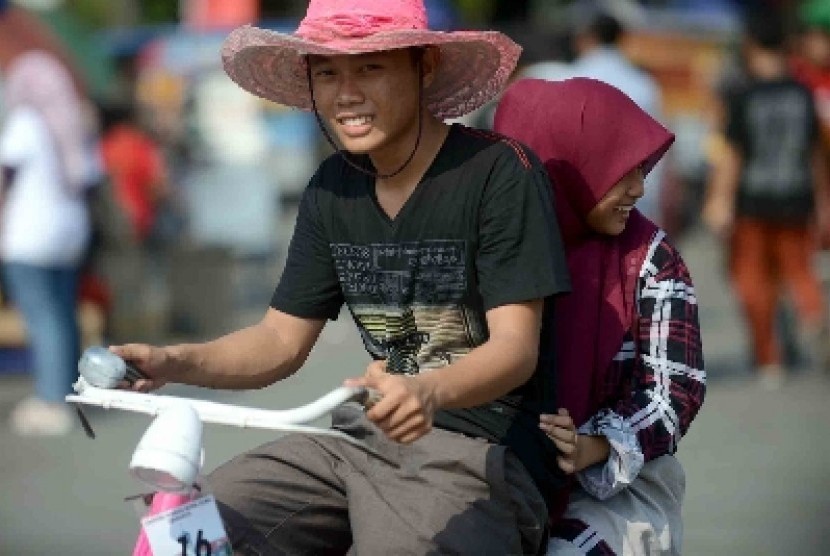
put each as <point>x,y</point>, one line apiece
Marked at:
<point>372,67</point>
<point>325,72</point>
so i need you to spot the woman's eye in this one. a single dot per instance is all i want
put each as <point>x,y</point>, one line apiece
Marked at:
<point>372,67</point>
<point>325,72</point>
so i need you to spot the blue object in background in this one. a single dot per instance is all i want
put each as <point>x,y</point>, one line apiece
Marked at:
<point>15,360</point>
<point>441,15</point>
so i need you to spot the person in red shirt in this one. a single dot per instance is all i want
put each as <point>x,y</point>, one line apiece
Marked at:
<point>135,165</point>
<point>811,62</point>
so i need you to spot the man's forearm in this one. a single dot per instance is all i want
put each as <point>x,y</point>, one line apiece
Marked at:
<point>253,357</point>
<point>486,373</point>
<point>726,176</point>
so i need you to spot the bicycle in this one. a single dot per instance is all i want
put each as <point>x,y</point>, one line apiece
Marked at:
<point>169,456</point>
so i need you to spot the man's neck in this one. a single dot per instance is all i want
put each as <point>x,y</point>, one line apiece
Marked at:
<point>433,135</point>
<point>392,193</point>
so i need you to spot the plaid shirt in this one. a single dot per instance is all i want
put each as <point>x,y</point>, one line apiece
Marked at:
<point>653,389</point>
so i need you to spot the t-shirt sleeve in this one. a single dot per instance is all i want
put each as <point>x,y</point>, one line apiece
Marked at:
<point>520,255</point>
<point>309,287</point>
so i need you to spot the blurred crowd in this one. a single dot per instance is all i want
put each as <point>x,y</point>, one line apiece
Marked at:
<point>119,202</point>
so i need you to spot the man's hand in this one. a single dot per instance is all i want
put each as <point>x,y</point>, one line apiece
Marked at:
<point>150,360</point>
<point>406,408</point>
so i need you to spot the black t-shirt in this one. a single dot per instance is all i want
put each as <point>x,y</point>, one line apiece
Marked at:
<point>774,124</point>
<point>477,232</point>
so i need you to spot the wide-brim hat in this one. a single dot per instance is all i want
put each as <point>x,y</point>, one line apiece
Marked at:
<point>474,66</point>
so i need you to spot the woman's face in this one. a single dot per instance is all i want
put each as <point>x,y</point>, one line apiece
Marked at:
<point>610,215</point>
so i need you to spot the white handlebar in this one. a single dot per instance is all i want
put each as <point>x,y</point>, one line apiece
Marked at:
<point>224,414</point>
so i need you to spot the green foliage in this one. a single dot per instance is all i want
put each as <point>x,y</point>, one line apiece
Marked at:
<point>159,11</point>
<point>95,14</point>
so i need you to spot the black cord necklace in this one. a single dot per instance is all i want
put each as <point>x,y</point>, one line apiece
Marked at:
<point>344,154</point>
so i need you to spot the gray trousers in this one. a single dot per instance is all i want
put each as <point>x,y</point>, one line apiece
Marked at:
<point>444,494</point>
<point>642,520</point>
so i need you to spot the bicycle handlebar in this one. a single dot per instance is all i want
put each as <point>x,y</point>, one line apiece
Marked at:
<point>101,370</point>
<point>219,413</point>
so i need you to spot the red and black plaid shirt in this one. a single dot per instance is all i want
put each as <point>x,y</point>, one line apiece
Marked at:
<point>655,388</point>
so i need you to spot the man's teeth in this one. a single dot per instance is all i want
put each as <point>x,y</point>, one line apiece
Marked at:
<point>624,209</point>
<point>360,120</point>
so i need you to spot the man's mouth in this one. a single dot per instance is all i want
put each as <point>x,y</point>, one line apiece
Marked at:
<point>355,121</point>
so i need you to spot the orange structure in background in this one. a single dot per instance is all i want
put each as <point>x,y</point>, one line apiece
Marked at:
<point>684,66</point>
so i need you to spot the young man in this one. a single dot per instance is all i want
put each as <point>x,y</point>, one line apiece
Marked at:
<point>768,195</point>
<point>442,242</point>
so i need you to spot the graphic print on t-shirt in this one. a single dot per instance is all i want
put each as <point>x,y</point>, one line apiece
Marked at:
<point>407,301</point>
<point>778,123</point>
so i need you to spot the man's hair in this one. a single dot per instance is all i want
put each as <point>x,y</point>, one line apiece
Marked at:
<point>606,28</point>
<point>766,29</point>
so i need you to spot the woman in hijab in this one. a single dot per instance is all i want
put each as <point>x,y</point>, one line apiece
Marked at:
<point>630,365</point>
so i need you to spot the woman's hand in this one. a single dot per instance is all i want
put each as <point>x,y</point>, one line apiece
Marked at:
<point>561,429</point>
<point>576,451</point>
<point>406,409</point>
<point>153,361</point>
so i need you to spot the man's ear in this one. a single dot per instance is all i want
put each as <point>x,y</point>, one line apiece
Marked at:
<point>429,64</point>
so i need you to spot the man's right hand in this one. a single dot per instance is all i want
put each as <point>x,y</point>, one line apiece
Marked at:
<point>153,361</point>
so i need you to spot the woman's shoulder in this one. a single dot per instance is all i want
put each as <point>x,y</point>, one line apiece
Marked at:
<point>663,260</point>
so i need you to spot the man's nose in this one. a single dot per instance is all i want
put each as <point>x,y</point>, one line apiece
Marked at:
<point>348,91</point>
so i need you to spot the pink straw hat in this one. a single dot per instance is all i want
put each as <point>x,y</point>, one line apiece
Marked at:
<point>474,65</point>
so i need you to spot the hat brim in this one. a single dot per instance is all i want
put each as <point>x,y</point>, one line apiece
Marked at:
<point>474,66</point>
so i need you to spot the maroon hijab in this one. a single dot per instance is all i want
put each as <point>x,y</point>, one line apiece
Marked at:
<point>589,136</point>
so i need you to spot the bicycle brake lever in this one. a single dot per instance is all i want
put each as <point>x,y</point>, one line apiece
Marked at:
<point>134,374</point>
<point>369,397</point>
<point>85,422</point>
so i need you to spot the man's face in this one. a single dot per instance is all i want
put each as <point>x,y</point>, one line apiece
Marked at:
<point>369,100</point>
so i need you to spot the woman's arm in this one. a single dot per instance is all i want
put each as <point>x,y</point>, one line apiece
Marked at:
<point>667,382</point>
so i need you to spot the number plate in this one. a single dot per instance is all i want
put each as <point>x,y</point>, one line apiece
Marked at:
<point>194,529</point>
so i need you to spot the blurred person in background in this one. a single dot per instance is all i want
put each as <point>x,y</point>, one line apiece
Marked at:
<point>597,44</point>
<point>135,164</point>
<point>767,197</point>
<point>811,60</point>
<point>47,166</point>
<point>630,362</point>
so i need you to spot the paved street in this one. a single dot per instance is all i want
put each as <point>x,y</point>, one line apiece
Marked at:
<point>756,462</point>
